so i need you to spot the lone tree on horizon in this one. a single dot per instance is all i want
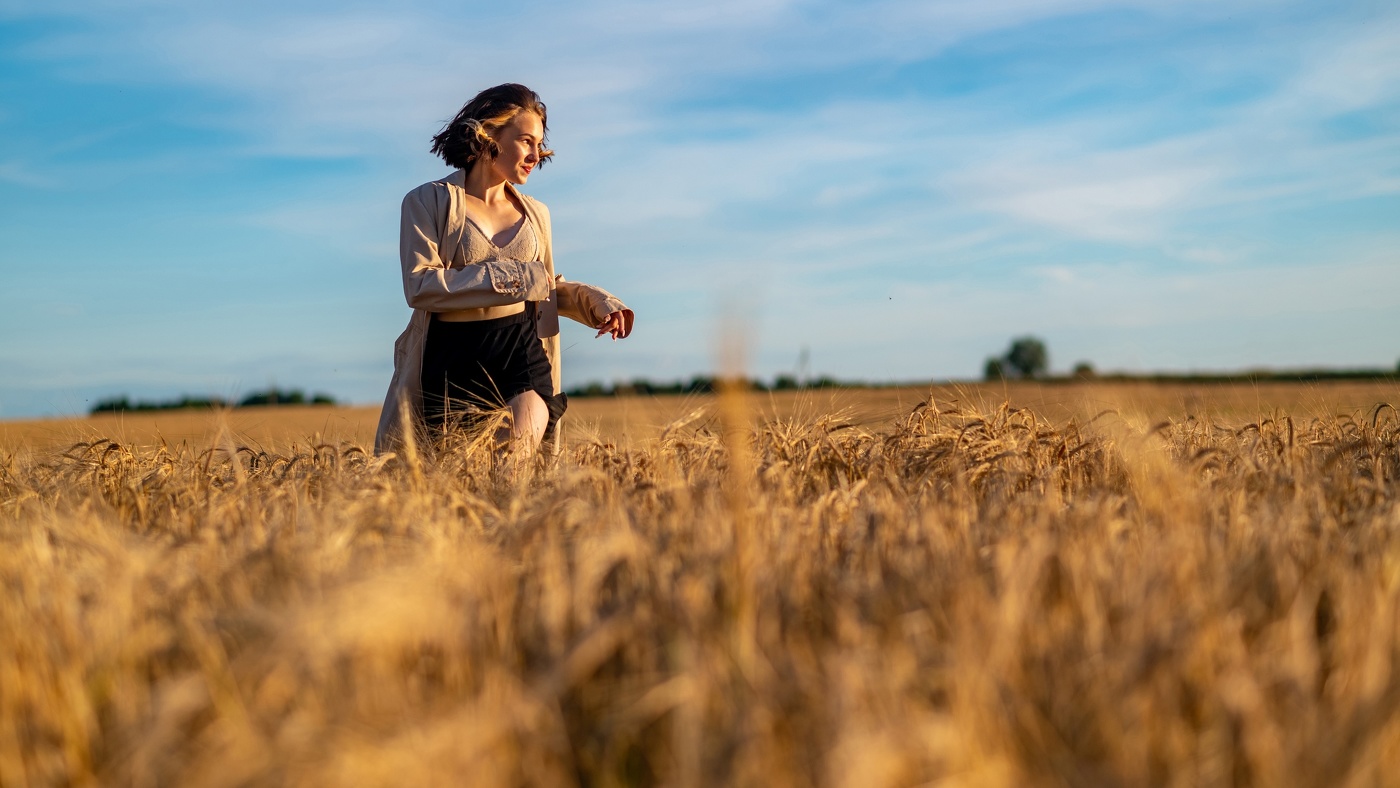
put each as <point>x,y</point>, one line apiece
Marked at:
<point>1026,358</point>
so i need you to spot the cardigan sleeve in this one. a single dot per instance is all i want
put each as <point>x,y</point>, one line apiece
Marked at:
<point>428,281</point>
<point>586,304</point>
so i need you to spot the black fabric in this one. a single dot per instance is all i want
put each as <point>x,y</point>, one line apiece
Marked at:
<point>470,369</point>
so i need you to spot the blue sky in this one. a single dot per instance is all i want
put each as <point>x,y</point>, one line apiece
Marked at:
<point>203,197</point>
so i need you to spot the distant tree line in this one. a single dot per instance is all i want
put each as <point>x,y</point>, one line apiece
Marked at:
<point>1083,371</point>
<point>271,396</point>
<point>1028,358</point>
<point>700,384</point>
<point>1247,376</point>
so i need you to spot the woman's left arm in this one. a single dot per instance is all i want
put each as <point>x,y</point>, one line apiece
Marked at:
<point>594,307</point>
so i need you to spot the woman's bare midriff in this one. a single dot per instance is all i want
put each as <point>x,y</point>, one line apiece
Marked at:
<point>482,313</point>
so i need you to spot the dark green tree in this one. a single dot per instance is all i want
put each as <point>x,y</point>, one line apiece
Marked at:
<point>1028,357</point>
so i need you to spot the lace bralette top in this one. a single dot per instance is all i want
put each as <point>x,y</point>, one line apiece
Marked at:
<point>477,248</point>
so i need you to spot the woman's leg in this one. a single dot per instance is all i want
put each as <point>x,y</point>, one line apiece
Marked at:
<point>528,418</point>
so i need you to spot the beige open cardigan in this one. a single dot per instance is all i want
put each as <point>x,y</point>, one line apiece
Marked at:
<point>430,235</point>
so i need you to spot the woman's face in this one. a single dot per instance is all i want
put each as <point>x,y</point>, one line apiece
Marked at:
<point>520,141</point>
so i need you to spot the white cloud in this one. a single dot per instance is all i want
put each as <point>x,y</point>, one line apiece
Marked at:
<point>1212,255</point>
<point>1272,153</point>
<point>1114,201</point>
<point>21,174</point>
<point>1355,69</point>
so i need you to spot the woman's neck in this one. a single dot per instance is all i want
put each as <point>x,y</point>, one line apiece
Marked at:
<point>483,184</point>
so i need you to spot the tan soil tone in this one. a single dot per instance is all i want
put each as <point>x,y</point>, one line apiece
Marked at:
<point>628,420</point>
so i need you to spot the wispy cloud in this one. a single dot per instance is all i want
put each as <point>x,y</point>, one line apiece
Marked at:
<point>21,174</point>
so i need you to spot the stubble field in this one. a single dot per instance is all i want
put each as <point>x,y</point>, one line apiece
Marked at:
<point>1026,585</point>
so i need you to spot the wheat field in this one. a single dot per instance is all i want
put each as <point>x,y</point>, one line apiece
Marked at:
<point>974,586</point>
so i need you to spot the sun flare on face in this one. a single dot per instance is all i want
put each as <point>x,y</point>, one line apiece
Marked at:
<point>520,144</point>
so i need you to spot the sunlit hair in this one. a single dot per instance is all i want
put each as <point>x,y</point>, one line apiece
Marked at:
<point>471,134</point>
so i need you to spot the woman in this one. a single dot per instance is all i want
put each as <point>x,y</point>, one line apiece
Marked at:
<point>478,271</point>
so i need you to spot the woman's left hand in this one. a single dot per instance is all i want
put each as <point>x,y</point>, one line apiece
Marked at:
<point>619,324</point>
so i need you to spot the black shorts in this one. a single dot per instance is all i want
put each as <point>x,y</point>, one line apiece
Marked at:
<point>471,369</point>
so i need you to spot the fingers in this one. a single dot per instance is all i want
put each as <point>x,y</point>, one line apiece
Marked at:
<point>619,324</point>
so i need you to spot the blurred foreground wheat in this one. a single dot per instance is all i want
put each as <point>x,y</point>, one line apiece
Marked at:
<point>966,597</point>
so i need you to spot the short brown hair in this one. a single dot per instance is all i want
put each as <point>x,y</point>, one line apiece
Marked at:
<point>471,134</point>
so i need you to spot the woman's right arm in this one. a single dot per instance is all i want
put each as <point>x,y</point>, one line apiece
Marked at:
<point>428,282</point>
